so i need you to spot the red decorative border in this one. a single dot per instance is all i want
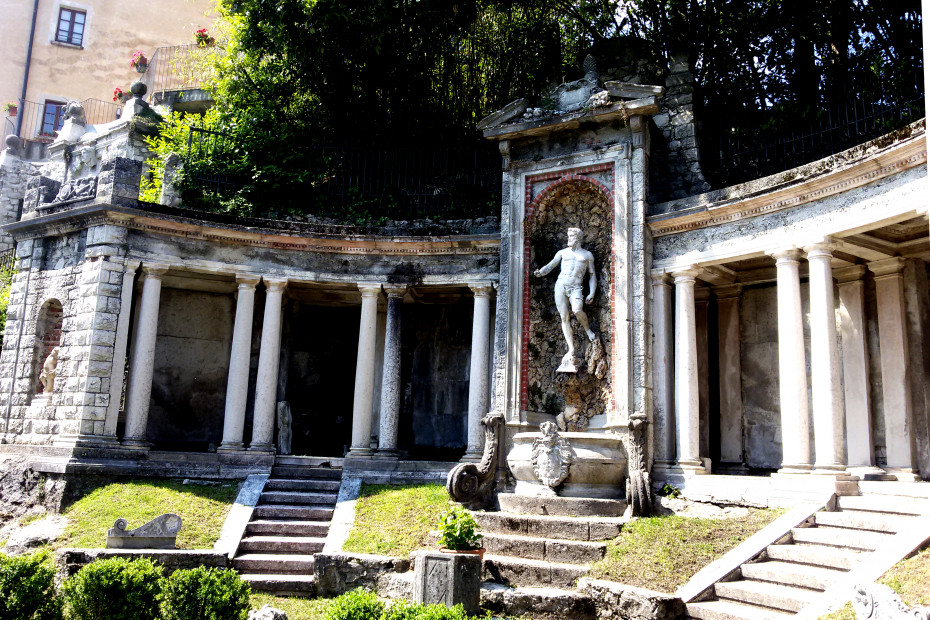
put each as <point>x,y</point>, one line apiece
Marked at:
<point>556,180</point>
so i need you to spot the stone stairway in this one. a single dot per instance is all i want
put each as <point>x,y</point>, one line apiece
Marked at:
<point>289,525</point>
<point>535,550</point>
<point>793,573</point>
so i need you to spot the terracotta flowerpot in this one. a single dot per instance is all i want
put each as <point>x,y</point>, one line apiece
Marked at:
<point>141,68</point>
<point>11,112</point>
<point>479,552</point>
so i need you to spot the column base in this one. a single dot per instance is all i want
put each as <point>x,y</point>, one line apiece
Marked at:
<point>794,469</point>
<point>388,454</point>
<point>261,447</point>
<point>833,469</point>
<point>472,457</point>
<point>136,444</point>
<point>903,474</point>
<point>360,453</point>
<point>732,468</point>
<point>690,467</point>
<point>231,447</point>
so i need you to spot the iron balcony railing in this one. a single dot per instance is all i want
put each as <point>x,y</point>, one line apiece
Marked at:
<point>452,181</point>
<point>41,121</point>
<point>732,155</point>
<point>177,67</point>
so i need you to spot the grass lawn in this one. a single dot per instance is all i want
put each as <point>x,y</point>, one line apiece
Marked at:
<point>395,520</point>
<point>202,509</point>
<point>662,553</point>
<point>296,608</point>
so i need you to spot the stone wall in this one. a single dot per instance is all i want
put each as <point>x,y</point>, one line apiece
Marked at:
<point>573,205</point>
<point>14,173</point>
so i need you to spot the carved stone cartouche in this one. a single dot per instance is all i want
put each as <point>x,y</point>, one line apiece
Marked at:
<point>552,456</point>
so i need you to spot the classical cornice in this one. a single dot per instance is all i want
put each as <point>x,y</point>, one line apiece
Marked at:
<point>806,184</point>
<point>133,219</point>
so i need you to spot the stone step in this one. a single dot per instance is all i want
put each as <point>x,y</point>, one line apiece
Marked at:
<point>279,511</point>
<point>276,563</point>
<point>564,528</point>
<point>523,572</point>
<point>282,584</point>
<point>800,575</point>
<point>297,471</point>
<point>774,595</point>
<point>566,551</point>
<point>281,544</point>
<point>903,489</point>
<point>839,537</point>
<point>856,520</point>
<point>287,528</point>
<point>329,462</point>
<point>297,497</point>
<point>729,610</point>
<point>301,484</point>
<point>817,555</point>
<point>885,504</point>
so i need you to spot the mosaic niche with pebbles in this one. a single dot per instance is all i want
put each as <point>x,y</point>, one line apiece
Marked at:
<point>573,397</point>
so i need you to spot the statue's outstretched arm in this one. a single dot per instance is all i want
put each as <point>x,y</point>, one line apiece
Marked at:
<point>593,275</point>
<point>552,264</point>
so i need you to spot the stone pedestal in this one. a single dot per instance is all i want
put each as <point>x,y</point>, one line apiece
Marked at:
<point>448,579</point>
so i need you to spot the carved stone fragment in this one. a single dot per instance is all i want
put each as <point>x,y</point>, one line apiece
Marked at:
<point>159,533</point>
<point>874,601</point>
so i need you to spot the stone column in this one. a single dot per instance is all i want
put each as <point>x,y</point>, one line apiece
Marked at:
<point>730,370</point>
<point>850,286</point>
<point>237,384</point>
<point>142,366</point>
<point>478,372</point>
<point>792,368</point>
<point>663,371</point>
<point>117,373</point>
<point>390,376</point>
<point>266,381</point>
<point>826,390</point>
<point>896,397</point>
<point>365,371</point>
<point>701,325</point>
<point>687,400</point>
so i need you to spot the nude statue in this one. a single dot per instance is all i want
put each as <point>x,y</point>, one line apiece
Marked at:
<point>575,262</point>
<point>49,370</point>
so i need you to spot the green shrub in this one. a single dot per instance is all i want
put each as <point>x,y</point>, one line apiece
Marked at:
<point>402,610</point>
<point>6,282</point>
<point>359,604</point>
<point>205,594</point>
<point>114,589</point>
<point>27,588</point>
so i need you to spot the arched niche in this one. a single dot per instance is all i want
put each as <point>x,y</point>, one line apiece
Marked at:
<point>48,337</point>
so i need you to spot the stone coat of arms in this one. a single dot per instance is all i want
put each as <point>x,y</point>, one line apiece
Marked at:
<point>552,456</point>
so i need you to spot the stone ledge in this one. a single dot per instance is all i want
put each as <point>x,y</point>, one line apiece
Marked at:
<point>616,600</point>
<point>337,573</point>
<point>70,561</point>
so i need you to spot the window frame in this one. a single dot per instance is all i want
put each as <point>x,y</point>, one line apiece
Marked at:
<point>59,119</point>
<point>71,23</point>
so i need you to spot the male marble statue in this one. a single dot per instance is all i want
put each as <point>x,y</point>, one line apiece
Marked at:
<point>49,371</point>
<point>575,262</point>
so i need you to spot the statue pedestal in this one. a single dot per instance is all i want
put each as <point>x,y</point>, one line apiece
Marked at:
<point>598,467</point>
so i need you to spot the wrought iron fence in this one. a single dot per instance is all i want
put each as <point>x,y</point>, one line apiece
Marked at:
<point>7,259</point>
<point>176,67</point>
<point>449,181</point>
<point>42,120</point>
<point>732,155</point>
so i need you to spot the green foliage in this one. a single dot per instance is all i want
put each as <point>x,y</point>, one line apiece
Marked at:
<point>205,594</point>
<point>402,610</point>
<point>6,283</point>
<point>27,588</point>
<point>114,589</point>
<point>359,604</point>
<point>669,490</point>
<point>458,530</point>
<point>395,520</point>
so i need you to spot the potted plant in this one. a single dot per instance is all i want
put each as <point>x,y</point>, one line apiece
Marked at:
<point>139,62</point>
<point>459,533</point>
<point>203,38</point>
<point>119,95</point>
<point>10,108</point>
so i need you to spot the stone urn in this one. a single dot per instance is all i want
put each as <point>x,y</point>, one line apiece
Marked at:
<point>593,465</point>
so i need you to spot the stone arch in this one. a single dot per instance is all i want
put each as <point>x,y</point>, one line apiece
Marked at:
<point>570,200</point>
<point>48,337</point>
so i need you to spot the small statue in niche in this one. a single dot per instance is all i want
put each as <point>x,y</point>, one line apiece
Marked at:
<point>575,262</point>
<point>49,370</point>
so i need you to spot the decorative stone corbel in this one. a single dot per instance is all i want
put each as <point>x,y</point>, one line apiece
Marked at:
<point>471,484</point>
<point>638,485</point>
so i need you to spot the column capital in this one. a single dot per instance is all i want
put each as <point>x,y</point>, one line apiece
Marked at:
<point>686,274</point>
<point>395,291</point>
<point>728,291</point>
<point>701,293</point>
<point>247,280</point>
<point>822,248</point>
<point>130,266</point>
<point>369,289</point>
<point>660,278</point>
<point>154,270</point>
<point>481,289</point>
<point>274,285</point>
<point>786,255</point>
<point>887,267</point>
<point>845,275</point>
